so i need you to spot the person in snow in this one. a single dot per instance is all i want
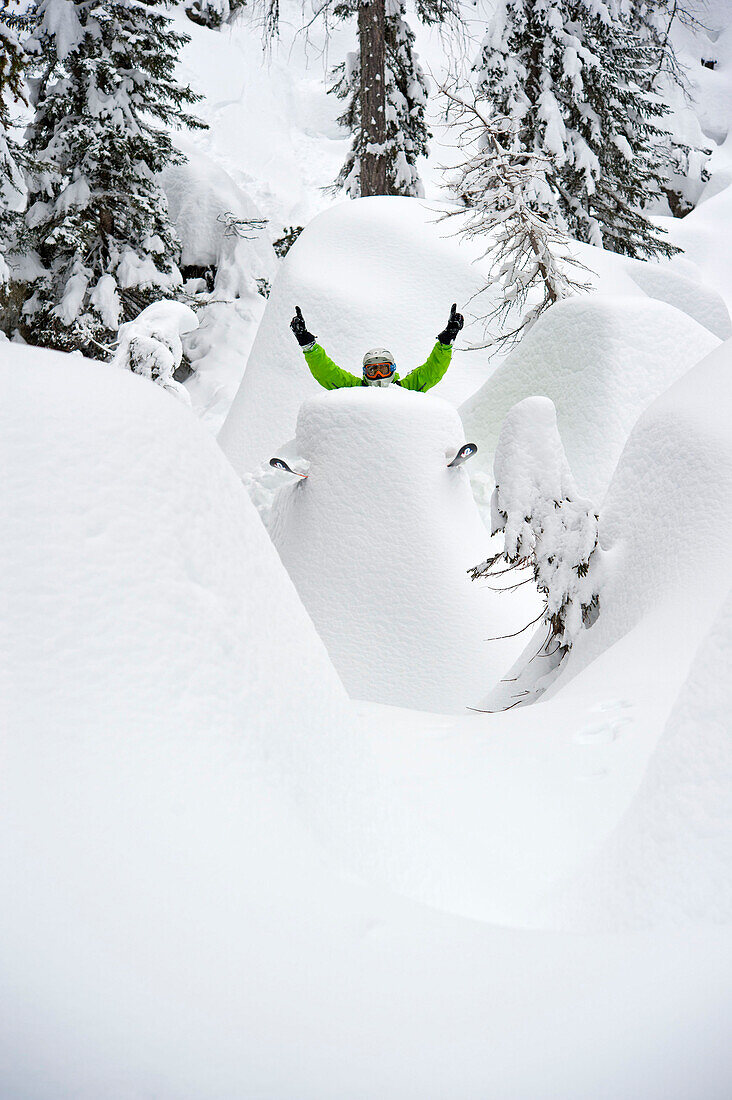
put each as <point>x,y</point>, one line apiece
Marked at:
<point>379,366</point>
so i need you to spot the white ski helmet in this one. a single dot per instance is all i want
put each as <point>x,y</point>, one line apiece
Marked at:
<point>378,367</point>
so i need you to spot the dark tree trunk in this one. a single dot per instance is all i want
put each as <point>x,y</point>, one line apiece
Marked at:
<point>371,23</point>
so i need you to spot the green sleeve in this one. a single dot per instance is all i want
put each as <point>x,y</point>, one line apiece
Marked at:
<point>325,371</point>
<point>430,373</point>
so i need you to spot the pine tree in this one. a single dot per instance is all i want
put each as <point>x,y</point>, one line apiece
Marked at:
<point>685,166</point>
<point>574,76</point>
<point>403,136</point>
<point>104,96</point>
<point>12,62</point>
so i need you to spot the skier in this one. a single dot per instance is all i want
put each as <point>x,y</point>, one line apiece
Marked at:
<point>379,367</point>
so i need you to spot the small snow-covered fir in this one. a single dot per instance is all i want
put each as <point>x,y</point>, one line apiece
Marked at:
<point>151,344</point>
<point>545,523</point>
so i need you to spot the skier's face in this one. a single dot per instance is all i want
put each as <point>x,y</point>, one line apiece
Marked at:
<point>378,373</point>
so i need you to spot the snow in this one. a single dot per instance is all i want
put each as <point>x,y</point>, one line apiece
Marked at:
<point>224,879</point>
<point>152,616</point>
<point>179,750</point>
<point>209,209</point>
<point>681,284</point>
<point>151,344</point>
<point>703,235</point>
<point>601,361</point>
<point>536,506</point>
<point>74,292</point>
<point>666,506</point>
<point>379,540</point>
<point>367,273</point>
<point>200,194</point>
<point>106,301</point>
<point>668,862</point>
<point>134,270</point>
<point>59,19</point>
<point>664,568</point>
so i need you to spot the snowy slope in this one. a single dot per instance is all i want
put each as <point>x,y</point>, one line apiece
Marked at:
<point>668,862</point>
<point>170,926</point>
<point>221,878</point>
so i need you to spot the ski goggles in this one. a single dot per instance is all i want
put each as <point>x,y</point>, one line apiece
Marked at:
<point>378,370</point>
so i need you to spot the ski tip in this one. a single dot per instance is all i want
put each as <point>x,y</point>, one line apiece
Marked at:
<point>280,464</point>
<point>466,451</point>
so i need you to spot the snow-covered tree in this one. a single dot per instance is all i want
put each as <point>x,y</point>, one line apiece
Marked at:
<point>213,13</point>
<point>653,20</point>
<point>386,95</point>
<point>685,165</point>
<point>105,96</point>
<point>12,62</point>
<point>151,345</point>
<point>506,204</point>
<point>575,76</point>
<point>547,526</point>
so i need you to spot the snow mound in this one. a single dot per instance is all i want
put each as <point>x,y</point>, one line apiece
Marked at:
<point>141,592</point>
<point>601,361</point>
<point>151,344</point>
<point>665,528</point>
<point>378,541</point>
<point>686,292</point>
<point>376,272</point>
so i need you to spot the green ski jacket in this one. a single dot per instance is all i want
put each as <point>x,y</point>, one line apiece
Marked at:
<point>332,377</point>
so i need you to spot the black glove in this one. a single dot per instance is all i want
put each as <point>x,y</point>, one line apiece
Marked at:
<point>453,326</point>
<point>298,326</point>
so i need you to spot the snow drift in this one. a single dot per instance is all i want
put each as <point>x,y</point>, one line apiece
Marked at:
<point>668,862</point>
<point>169,927</point>
<point>665,529</point>
<point>680,283</point>
<point>141,592</point>
<point>601,361</point>
<point>203,202</point>
<point>378,541</point>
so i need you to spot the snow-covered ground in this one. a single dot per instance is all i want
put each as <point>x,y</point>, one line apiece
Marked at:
<point>232,867</point>
<point>209,853</point>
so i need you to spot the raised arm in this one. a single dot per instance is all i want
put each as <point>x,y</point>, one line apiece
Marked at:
<point>327,373</point>
<point>429,374</point>
<point>431,371</point>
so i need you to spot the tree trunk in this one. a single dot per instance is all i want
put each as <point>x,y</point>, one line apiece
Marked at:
<point>371,22</point>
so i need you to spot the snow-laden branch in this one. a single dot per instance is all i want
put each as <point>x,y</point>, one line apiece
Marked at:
<point>505,200</point>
